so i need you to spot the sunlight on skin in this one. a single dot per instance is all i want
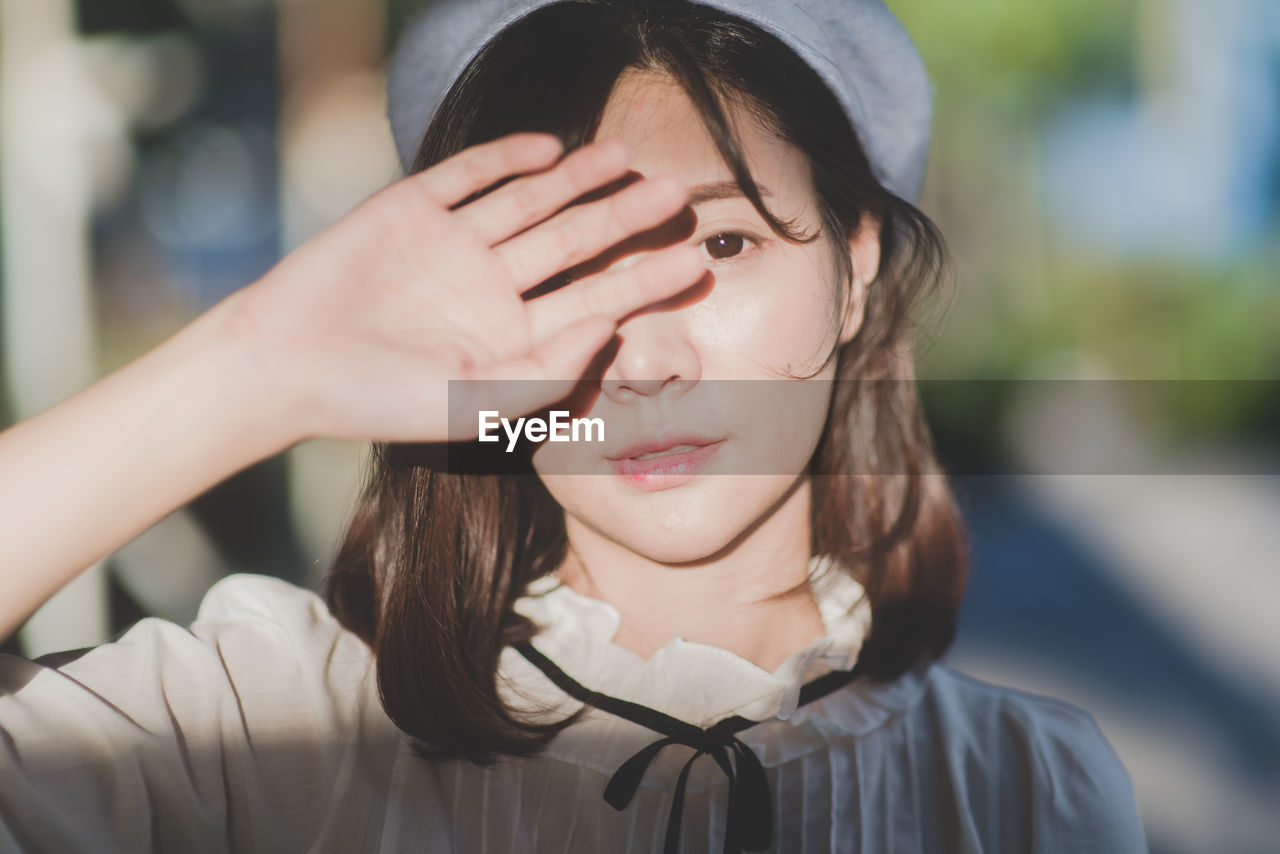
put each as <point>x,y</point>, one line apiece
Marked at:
<point>692,559</point>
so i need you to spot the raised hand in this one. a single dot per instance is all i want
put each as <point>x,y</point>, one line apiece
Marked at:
<point>362,328</point>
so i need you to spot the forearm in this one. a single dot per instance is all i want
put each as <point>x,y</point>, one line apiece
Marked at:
<point>86,476</point>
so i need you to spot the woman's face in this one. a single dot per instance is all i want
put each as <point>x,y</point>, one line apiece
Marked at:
<point>706,430</point>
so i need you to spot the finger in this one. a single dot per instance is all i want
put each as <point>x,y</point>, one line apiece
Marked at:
<point>616,294</point>
<point>584,231</point>
<point>527,201</point>
<point>472,169</point>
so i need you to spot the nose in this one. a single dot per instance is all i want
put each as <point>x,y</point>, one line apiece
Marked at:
<point>654,356</point>
<point>653,351</point>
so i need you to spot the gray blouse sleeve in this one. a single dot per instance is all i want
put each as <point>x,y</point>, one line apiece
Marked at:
<point>1084,799</point>
<point>1032,773</point>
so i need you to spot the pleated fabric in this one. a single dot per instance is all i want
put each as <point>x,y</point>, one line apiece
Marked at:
<point>259,729</point>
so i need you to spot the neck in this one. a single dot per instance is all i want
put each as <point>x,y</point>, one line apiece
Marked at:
<point>737,599</point>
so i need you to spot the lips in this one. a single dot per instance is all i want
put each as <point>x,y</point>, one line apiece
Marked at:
<point>663,464</point>
<point>678,449</point>
<point>657,447</point>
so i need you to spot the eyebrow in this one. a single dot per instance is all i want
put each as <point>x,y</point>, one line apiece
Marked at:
<point>721,190</point>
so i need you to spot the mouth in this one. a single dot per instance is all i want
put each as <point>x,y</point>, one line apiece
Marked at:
<point>665,463</point>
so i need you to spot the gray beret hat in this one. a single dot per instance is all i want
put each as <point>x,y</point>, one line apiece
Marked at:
<point>857,46</point>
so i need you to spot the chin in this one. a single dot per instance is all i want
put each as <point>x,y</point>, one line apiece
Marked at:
<point>686,524</point>
<point>686,547</point>
<point>677,544</point>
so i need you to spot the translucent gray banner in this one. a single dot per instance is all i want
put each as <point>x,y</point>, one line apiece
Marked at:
<point>667,432</point>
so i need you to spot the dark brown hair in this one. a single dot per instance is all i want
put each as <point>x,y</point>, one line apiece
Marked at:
<point>433,561</point>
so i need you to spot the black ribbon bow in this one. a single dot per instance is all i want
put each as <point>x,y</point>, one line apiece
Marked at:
<point>749,826</point>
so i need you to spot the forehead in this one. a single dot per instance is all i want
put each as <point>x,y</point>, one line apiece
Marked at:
<point>658,121</point>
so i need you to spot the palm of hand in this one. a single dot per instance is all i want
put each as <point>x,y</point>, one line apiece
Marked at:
<point>365,325</point>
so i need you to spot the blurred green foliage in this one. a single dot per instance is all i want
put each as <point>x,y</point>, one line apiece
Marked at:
<point>1018,55</point>
<point>1024,301</point>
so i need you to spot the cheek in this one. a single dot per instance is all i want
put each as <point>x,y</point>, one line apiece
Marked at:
<point>777,319</point>
<point>782,424</point>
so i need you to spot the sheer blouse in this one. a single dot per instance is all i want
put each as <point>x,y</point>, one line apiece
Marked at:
<point>258,728</point>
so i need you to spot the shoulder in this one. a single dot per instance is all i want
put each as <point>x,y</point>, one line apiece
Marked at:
<point>262,659</point>
<point>232,728</point>
<point>266,629</point>
<point>251,623</point>
<point>1045,755</point>
<point>974,705</point>
<point>265,601</point>
<point>254,639</point>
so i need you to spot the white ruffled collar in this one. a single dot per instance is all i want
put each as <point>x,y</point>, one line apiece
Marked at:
<point>695,682</point>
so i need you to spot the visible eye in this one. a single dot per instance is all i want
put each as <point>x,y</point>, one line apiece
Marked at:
<point>726,244</point>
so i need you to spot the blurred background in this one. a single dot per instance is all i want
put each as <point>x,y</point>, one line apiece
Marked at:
<point>1101,373</point>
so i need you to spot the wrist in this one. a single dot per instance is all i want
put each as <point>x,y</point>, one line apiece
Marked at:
<point>231,352</point>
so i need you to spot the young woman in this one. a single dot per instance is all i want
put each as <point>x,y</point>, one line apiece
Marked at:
<point>716,628</point>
